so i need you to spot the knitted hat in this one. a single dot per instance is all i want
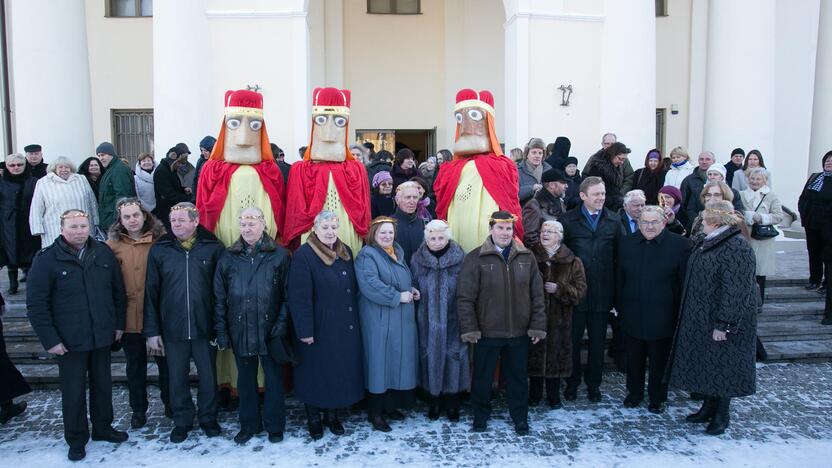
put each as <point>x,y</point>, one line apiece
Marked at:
<point>106,148</point>
<point>207,143</point>
<point>381,176</point>
<point>570,160</point>
<point>738,151</point>
<point>673,192</point>
<point>718,168</point>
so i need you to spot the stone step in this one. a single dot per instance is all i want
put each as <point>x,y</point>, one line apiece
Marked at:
<point>40,375</point>
<point>794,330</point>
<point>32,352</point>
<point>778,281</point>
<point>791,311</point>
<point>789,294</point>
<point>817,350</point>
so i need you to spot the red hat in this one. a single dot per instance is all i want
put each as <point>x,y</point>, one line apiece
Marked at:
<point>331,101</point>
<point>470,98</point>
<point>248,103</point>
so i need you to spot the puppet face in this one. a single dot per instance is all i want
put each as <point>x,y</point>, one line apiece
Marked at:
<point>473,132</point>
<point>242,139</point>
<point>329,137</point>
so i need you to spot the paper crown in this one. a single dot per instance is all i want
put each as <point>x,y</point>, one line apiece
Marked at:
<point>470,98</point>
<point>244,101</point>
<point>331,101</point>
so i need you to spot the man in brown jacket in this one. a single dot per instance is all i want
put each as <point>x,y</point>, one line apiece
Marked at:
<point>130,238</point>
<point>500,305</point>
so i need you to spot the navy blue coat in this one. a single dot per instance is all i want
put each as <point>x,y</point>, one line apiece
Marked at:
<point>323,303</point>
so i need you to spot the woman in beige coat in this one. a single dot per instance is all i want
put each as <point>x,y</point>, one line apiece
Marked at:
<point>763,207</point>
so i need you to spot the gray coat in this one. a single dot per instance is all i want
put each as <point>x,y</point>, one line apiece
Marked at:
<point>527,181</point>
<point>443,357</point>
<point>388,327</point>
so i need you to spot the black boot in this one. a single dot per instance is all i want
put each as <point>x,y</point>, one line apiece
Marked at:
<point>827,317</point>
<point>433,408</point>
<point>721,417</point>
<point>762,354</point>
<point>553,393</point>
<point>13,284</point>
<point>330,420</point>
<point>9,409</point>
<point>705,413</point>
<point>535,390</point>
<point>313,422</point>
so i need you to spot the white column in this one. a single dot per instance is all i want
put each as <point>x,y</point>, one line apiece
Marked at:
<point>698,74</point>
<point>50,78</point>
<point>182,85</point>
<point>740,100</point>
<point>517,74</point>
<point>301,88</point>
<point>628,83</point>
<point>822,112</point>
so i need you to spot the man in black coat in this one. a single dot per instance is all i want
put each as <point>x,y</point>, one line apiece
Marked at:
<point>179,309</point>
<point>168,187</point>
<point>634,202</point>
<point>34,161</point>
<point>648,287</point>
<point>280,160</point>
<point>691,188</point>
<point>592,233</point>
<point>545,205</point>
<point>77,304</point>
<point>410,228</point>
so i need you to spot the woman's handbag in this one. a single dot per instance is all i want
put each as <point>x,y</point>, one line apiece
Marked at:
<point>763,231</point>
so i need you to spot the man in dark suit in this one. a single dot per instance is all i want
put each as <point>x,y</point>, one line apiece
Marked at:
<point>634,202</point>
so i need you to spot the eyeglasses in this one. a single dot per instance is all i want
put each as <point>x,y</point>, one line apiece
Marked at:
<point>14,165</point>
<point>713,195</point>
<point>650,223</point>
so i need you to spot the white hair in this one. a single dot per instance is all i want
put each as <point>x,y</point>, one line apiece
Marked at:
<point>15,157</point>
<point>325,216</point>
<point>62,161</point>
<point>556,224</point>
<point>761,171</point>
<point>633,195</point>
<point>437,225</point>
<point>654,209</point>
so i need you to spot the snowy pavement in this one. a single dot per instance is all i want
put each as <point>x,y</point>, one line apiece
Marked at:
<point>787,423</point>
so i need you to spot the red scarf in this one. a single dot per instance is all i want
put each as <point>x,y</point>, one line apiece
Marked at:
<point>306,194</point>
<point>499,176</point>
<point>215,179</point>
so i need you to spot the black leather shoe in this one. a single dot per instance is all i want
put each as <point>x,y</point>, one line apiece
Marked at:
<point>331,421</point>
<point>76,454</point>
<point>812,286</point>
<point>571,393</point>
<point>11,410</point>
<point>275,437</point>
<point>479,426</point>
<point>594,395</point>
<point>243,436</point>
<point>555,403</point>
<point>705,413</point>
<point>313,423</point>
<point>453,414</point>
<point>179,434</point>
<point>657,408</point>
<point>821,290</point>
<point>110,435</point>
<point>721,419</point>
<point>631,402</point>
<point>379,424</point>
<point>138,420</point>
<point>521,428</point>
<point>395,415</point>
<point>433,412</point>
<point>211,429</point>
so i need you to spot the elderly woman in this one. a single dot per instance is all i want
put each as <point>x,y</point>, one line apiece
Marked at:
<point>382,202</point>
<point>144,180</point>
<point>62,189</point>
<point>323,300</point>
<point>815,206</point>
<point>713,347</point>
<point>753,160</point>
<point>17,244</point>
<point>92,170</point>
<point>361,153</point>
<point>654,260</point>
<point>762,208</point>
<point>565,286</point>
<point>388,324</point>
<point>680,167</point>
<point>531,169</point>
<point>251,317</point>
<point>442,354</point>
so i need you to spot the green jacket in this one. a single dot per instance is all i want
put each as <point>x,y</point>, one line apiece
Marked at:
<point>116,183</point>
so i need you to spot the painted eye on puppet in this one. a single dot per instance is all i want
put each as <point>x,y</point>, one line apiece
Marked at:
<point>255,125</point>
<point>320,120</point>
<point>340,121</point>
<point>475,114</point>
<point>232,124</point>
<point>458,116</point>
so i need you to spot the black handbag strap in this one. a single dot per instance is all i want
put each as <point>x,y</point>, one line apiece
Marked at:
<point>761,202</point>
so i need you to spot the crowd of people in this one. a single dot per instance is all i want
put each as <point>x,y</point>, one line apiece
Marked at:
<point>672,256</point>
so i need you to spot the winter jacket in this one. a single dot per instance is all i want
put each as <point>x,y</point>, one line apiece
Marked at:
<point>498,298</point>
<point>650,183</point>
<point>144,187</point>
<point>17,244</point>
<point>740,181</point>
<point>178,305</point>
<point>79,302</point>
<point>401,176</point>
<point>116,183</point>
<point>54,196</point>
<point>528,180</point>
<point>816,207</point>
<point>613,177</point>
<point>675,175</point>
<point>410,232</point>
<point>771,211</point>
<point>691,188</point>
<point>168,190</point>
<point>250,293</point>
<point>542,207</point>
<point>573,190</point>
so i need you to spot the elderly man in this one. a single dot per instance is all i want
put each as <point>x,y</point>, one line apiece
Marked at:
<point>734,165</point>
<point>692,186</point>
<point>410,228</point>
<point>180,269</point>
<point>651,267</point>
<point>116,183</point>
<point>34,161</point>
<point>634,202</point>
<point>500,305</point>
<point>546,205</point>
<point>77,303</point>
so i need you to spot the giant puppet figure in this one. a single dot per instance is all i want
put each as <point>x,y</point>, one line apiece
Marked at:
<point>328,178</point>
<point>480,179</point>
<point>241,172</point>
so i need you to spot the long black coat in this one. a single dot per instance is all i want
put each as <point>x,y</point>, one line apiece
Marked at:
<point>649,282</point>
<point>14,384</point>
<point>720,293</point>
<point>598,253</point>
<point>18,244</point>
<point>178,303</point>
<point>323,302</point>
<point>410,232</point>
<point>169,191</point>
<point>250,297</point>
<point>79,302</point>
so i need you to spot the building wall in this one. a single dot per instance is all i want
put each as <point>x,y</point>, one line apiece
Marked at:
<point>120,52</point>
<point>673,54</point>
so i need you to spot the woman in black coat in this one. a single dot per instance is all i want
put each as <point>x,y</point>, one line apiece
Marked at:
<point>714,344</point>
<point>17,188</point>
<point>14,385</point>
<point>572,197</point>
<point>323,300</point>
<point>251,317</point>
<point>606,164</point>
<point>650,178</point>
<point>815,207</point>
<point>382,202</point>
<point>404,167</point>
<point>92,169</point>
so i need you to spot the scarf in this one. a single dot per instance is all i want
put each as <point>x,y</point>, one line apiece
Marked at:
<point>422,209</point>
<point>391,252</point>
<point>679,164</point>
<point>817,184</point>
<point>439,253</point>
<point>551,251</point>
<point>326,254</point>
<point>537,172</point>
<point>188,243</point>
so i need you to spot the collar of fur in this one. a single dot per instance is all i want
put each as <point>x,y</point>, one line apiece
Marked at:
<point>327,255</point>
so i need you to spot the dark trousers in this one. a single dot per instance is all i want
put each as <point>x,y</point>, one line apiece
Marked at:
<point>828,310</point>
<point>814,244</point>
<point>513,354</point>
<point>179,355</point>
<point>74,368</point>
<point>274,408</point>
<point>650,355</point>
<point>135,351</point>
<point>536,388</point>
<point>595,323</point>
<point>761,285</point>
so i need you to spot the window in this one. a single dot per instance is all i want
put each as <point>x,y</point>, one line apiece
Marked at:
<point>661,8</point>
<point>129,8</point>
<point>394,7</point>
<point>661,119</point>
<point>132,132</point>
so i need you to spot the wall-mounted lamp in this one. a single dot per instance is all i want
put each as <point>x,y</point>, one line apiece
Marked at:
<point>566,94</point>
<point>674,109</point>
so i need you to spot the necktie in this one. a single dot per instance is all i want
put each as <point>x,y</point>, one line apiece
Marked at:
<point>594,217</point>
<point>632,225</point>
